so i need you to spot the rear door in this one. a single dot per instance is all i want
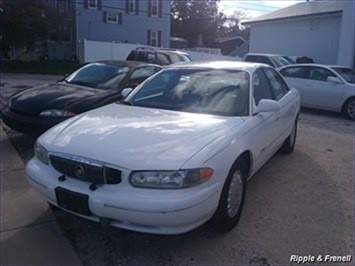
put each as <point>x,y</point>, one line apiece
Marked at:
<point>320,93</point>
<point>295,77</point>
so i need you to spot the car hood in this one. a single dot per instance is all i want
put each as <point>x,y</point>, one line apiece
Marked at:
<point>50,96</point>
<point>136,137</point>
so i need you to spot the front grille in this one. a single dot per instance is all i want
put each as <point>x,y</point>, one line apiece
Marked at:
<point>86,171</point>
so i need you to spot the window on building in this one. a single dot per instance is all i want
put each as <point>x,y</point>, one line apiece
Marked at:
<point>314,25</point>
<point>92,4</point>
<point>154,38</point>
<point>112,18</point>
<point>132,6</point>
<point>154,7</point>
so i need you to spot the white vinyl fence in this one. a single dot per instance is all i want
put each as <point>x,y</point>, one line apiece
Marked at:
<point>94,51</point>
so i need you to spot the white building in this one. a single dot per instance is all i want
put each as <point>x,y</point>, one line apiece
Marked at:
<point>322,30</point>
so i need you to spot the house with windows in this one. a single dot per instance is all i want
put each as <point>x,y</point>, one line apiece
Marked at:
<point>144,22</point>
<point>321,30</point>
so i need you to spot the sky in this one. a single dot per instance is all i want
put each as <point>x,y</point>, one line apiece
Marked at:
<point>255,8</point>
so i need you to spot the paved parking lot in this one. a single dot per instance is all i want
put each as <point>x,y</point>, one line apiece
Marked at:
<point>298,204</point>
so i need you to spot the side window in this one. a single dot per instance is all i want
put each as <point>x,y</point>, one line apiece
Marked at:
<point>141,74</point>
<point>320,74</point>
<point>150,57</point>
<point>261,86</point>
<point>278,87</point>
<point>294,72</point>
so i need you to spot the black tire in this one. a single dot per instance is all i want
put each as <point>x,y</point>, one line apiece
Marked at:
<point>348,108</point>
<point>226,216</point>
<point>290,142</point>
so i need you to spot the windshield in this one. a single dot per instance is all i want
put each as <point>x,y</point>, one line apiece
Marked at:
<point>99,75</point>
<point>279,61</point>
<point>208,91</point>
<point>289,59</point>
<point>171,58</point>
<point>346,73</point>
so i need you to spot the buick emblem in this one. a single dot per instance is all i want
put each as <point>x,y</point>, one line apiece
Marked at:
<point>79,171</point>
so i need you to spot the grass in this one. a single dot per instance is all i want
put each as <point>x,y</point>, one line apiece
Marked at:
<point>39,67</point>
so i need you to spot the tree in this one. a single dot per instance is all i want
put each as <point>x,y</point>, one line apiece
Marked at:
<point>27,22</point>
<point>232,26</point>
<point>191,19</point>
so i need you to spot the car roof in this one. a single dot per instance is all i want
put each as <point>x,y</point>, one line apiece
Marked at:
<point>312,65</point>
<point>339,66</point>
<point>232,65</point>
<point>126,63</point>
<point>262,54</point>
<point>160,50</point>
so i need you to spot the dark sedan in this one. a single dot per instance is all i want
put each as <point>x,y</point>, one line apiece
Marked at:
<point>35,110</point>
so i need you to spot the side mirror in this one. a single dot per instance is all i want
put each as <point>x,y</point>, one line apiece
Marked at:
<point>126,91</point>
<point>266,105</point>
<point>334,80</point>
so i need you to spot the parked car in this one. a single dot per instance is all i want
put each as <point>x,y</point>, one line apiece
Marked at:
<point>35,110</point>
<point>273,60</point>
<point>323,87</point>
<point>177,152</point>
<point>159,56</point>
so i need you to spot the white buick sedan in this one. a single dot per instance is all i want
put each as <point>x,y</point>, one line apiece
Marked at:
<point>176,153</point>
<point>323,87</point>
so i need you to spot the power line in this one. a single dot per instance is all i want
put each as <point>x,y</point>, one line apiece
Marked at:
<point>250,8</point>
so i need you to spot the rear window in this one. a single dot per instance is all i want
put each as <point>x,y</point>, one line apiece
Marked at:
<point>132,56</point>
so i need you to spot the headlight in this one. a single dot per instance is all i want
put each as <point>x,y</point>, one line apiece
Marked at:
<point>41,153</point>
<point>57,113</point>
<point>170,179</point>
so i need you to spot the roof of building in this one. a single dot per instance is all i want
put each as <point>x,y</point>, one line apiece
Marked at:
<point>300,10</point>
<point>227,39</point>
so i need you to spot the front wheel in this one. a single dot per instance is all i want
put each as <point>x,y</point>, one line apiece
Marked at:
<point>232,197</point>
<point>348,109</point>
<point>290,142</point>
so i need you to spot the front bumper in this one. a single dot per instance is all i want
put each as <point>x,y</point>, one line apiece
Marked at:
<point>30,125</point>
<point>144,210</point>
